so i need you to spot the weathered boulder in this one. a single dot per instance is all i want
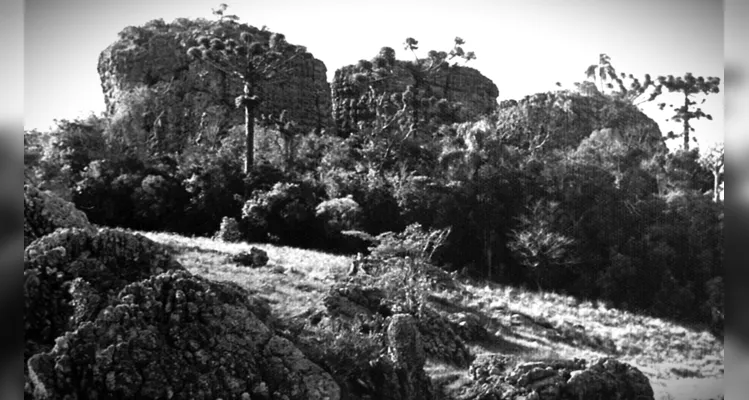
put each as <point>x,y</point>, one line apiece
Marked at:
<point>349,300</point>
<point>440,339</point>
<point>498,376</point>
<point>43,212</point>
<point>178,336</point>
<point>457,85</point>
<point>610,379</point>
<point>70,274</point>
<point>563,119</point>
<point>468,326</point>
<point>255,258</point>
<point>406,351</point>
<point>150,64</point>
<point>485,366</point>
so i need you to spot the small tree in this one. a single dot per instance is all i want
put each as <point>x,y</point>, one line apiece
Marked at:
<point>288,130</point>
<point>539,247</point>
<point>688,86</point>
<point>604,71</point>
<point>254,58</point>
<point>714,160</point>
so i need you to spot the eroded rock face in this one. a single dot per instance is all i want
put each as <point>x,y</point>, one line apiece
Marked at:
<point>178,336</point>
<point>495,378</point>
<point>466,86</point>
<point>468,326</point>
<point>406,351</point>
<point>70,274</point>
<point>43,212</point>
<point>440,339</point>
<point>609,378</point>
<point>189,96</point>
<point>570,117</point>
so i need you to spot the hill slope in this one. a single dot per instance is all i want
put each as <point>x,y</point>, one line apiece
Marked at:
<point>681,363</point>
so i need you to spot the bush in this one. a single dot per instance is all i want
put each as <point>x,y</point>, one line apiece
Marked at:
<point>215,184</point>
<point>229,230</point>
<point>414,242</point>
<point>379,208</point>
<point>284,214</point>
<point>338,214</point>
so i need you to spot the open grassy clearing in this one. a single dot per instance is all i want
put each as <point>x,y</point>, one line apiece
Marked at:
<point>682,363</point>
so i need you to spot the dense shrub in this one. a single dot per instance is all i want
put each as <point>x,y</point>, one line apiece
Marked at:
<point>127,193</point>
<point>374,194</point>
<point>229,230</point>
<point>285,214</point>
<point>338,214</point>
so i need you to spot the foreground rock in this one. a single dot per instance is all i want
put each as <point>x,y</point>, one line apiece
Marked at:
<point>497,377</point>
<point>177,336</point>
<point>44,212</point>
<point>441,341</point>
<point>70,275</point>
<point>407,354</point>
<point>351,301</point>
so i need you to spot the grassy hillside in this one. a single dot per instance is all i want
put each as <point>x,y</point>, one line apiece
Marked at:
<point>682,363</point>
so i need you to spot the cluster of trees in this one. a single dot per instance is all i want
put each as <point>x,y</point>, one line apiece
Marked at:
<point>595,219</point>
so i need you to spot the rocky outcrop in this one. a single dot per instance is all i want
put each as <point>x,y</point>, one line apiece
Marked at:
<point>498,377</point>
<point>468,326</point>
<point>349,300</point>
<point>440,340</point>
<point>609,378</point>
<point>189,97</point>
<point>177,336</point>
<point>43,212</point>
<point>406,351</point>
<point>464,89</point>
<point>70,274</point>
<point>564,119</point>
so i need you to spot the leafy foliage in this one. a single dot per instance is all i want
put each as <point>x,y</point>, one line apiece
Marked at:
<point>688,86</point>
<point>285,213</point>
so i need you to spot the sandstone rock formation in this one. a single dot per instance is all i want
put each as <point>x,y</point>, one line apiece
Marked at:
<point>188,98</point>
<point>177,336</point>
<point>70,274</point>
<point>497,377</point>
<point>567,118</point>
<point>407,354</point>
<point>440,340</point>
<point>43,212</point>
<point>109,314</point>
<point>458,85</point>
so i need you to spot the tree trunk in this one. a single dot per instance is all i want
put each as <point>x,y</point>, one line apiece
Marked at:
<point>249,129</point>
<point>686,123</point>
<point>488,250</point>
<point>716,176</point>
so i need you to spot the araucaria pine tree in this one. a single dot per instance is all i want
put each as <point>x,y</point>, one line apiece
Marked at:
<point>688,86</point>
<point>253,58</point>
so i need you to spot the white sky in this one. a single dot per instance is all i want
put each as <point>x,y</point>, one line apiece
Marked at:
<point>524,46</point>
